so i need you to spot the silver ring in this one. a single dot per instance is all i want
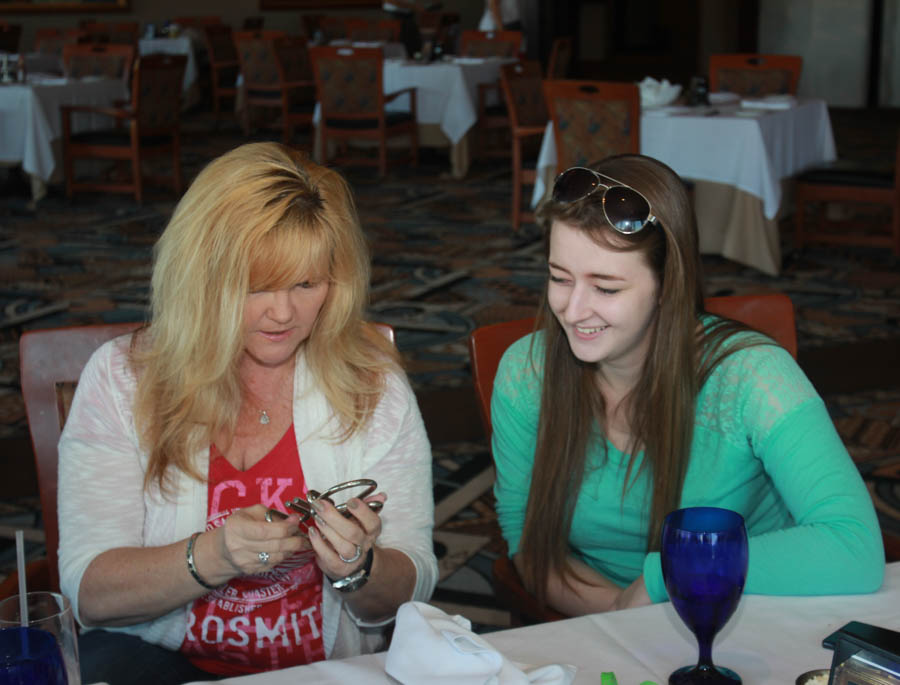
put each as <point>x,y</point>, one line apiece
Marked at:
<point>356,556</point>
<point>263,558</point>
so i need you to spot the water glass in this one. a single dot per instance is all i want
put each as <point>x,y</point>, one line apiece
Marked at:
<point>49,637</point>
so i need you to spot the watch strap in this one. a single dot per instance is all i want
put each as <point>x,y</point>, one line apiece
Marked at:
<point>358,578</point>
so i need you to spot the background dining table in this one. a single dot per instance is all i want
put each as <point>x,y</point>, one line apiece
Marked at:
<point>737,158</point>
<point>770,640</point>
<point>31,125</point>
<point>446,101</point>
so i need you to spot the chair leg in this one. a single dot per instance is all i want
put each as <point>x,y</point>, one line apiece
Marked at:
<point>138,179</point>
<point>517,184</point>
<point>414,140</point>
<point>382,156</point>
<point>216,110</point>
<point>799,228</point>
<point>177,180</point>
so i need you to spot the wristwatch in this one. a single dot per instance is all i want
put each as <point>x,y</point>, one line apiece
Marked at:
<point>356,579</point>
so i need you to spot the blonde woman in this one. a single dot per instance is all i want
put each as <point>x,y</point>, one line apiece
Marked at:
<point>630,401</point>
<point>255,381</point>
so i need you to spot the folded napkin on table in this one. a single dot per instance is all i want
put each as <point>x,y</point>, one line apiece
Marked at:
<point>657,93</point>
<point>769,102</point>
<point>430,647</point>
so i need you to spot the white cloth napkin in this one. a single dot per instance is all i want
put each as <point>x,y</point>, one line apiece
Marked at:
<point>770,102</point>
<point>430,647</point>
<point>657,93</point>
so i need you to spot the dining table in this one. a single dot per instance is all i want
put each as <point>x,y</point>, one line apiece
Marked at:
<point>180,45</point>
<point>770,640</point>
<point>446,101</point>
<point>739,156</point>
<point>31,124</point>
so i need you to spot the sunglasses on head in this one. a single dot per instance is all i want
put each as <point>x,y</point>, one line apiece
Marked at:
<point>625,209</point>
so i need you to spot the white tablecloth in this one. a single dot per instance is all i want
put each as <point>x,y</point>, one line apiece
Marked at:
<point>183,45</point>
<point>769,641</point>
<point>750,150</point>
<point>390,49</point>
<point>31,126</point>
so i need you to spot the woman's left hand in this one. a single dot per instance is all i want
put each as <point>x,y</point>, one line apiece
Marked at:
<point>333,536</point>
<point>635,595</point>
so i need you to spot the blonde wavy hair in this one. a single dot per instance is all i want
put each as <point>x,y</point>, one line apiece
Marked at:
<point>260,217</point>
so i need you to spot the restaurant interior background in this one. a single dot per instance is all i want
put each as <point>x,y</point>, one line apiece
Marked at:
<point>850,60</point>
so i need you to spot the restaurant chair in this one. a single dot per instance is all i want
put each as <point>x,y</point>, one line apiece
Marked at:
<point>474,43</point>
<point>593,120</point>
<point>146,126</point>
<point>49,41</point>
<point>125,32</point>
<point>198,21</point>
<point>528,118</point>
<point>438,28</point>
<point>754,75</point>
<point>109,60</point>
<point>10,37</point>
<point>297,84</point>
<point>223,64</point>
<point>770,313</point>
<point>845,182</point>
<point>259,70</point>
<point>50,363</point>
<point>350,91</point>
<point>560,58</point>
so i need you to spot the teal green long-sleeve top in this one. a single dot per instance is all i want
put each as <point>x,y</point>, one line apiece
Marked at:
<point>764,446</point>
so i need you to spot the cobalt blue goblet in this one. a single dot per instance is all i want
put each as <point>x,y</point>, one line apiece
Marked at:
<point>704,565</point>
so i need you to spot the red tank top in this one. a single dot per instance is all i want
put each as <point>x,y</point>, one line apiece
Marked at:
<point>261,622</point>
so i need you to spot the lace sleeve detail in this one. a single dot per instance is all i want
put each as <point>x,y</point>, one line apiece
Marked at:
<point>751,392</point>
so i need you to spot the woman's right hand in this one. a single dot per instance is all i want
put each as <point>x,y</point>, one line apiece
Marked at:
<point>246,534</point>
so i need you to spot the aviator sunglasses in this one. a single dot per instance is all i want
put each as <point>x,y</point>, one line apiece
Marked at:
<point>625,209</point>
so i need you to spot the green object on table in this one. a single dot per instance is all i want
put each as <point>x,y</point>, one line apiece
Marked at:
<point>648,682</point>
<point>608,678</point>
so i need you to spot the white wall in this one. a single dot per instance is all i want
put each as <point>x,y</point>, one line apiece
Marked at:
<point>832,36</point>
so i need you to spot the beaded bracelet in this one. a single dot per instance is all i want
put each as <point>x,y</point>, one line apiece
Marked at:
<point>190,563</point>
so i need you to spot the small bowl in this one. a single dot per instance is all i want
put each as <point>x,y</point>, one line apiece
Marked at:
<point>807,678</point>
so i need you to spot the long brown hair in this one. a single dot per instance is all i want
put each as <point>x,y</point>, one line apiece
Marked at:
<point>661,405</point>
<point>259,217</point>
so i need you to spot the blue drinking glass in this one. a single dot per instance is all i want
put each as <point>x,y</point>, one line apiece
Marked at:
<point>704,565</point>
<point>29,656</point>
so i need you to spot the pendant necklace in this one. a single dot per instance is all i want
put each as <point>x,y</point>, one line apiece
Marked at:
<point>263,417</point>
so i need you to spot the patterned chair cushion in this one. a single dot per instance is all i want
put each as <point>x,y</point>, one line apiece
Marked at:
<point>591,131</point>
<point>755,82</point>
<point>349,86</point>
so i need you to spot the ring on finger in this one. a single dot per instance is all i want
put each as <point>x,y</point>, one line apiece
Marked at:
<point>263,558</point>
<point>273,514</point>
<point>355,556</point>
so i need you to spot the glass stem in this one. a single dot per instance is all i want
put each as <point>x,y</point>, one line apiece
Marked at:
<point>705,660</point>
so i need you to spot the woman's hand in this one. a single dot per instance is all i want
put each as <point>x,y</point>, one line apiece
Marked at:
<point>247,537</point>
<point>333,536</point>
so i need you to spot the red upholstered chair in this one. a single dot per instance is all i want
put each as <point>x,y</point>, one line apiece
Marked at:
<point>146,126</point>
<point>560,58</point>
<point>593,120</point>
<point>848,183</point>
<point>350,90</point>
<point>111,60</point>
<point>262,88</point>
<point>49,41</point>
<point>50,363</point>
<point>223,64</point>
<point>754,75</point>
<point>528,118</point>
<point>770,313</point>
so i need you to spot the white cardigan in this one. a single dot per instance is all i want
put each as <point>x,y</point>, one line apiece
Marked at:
<point>103,504</point>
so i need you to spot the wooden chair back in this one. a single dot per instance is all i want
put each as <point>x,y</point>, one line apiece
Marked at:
<point>110,60</point>
<point>755,75</point>
<point>50,363</point>
<point>256,54</point>
<point>10,37</point>
<point>524,95</point>
<point>219,41</point>
<point>198,21</point>
<point>560,58</point>
<point>49,41</point>
<point>125,32</point>
<point>593,120</point>
<point>490,43</point>
<point>348,81</point>
<point>769,313</point>
<point>156,93</point>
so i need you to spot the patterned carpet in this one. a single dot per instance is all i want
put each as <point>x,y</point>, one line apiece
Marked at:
<point>445,262</point>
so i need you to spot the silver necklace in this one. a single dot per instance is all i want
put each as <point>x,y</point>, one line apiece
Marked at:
<point>264,417</point>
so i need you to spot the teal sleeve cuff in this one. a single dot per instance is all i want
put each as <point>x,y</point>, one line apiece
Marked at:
<point>653,579</point>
